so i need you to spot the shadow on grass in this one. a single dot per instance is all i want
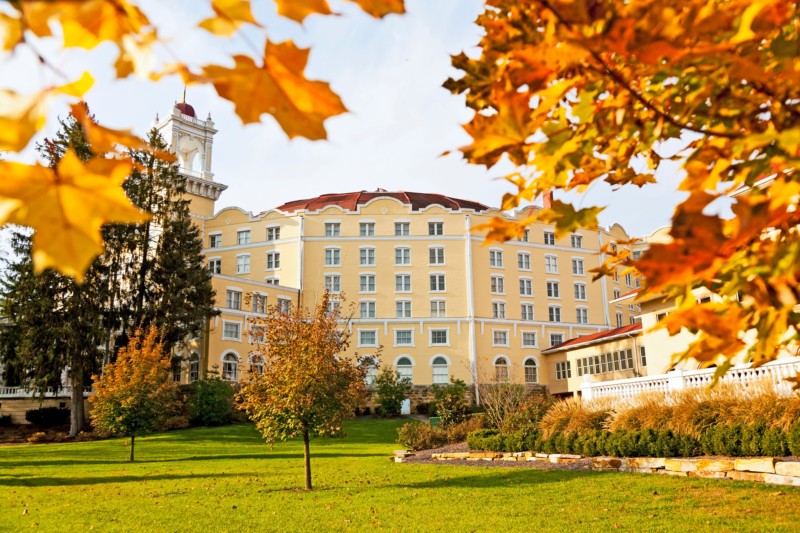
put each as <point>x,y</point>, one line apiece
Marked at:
<point>508,479</point>
<point>28,481</point>
<point>124,461</point>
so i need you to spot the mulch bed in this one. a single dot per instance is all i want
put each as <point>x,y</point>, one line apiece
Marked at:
<point>424,457</point>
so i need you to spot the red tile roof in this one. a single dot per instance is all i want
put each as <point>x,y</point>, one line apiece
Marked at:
<point>351,200</point>
<point>596,338</point>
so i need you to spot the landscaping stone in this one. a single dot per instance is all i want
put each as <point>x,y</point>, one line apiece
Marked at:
<point>670,472</point>
<point>788,468</point>
<point>606,463</point>
<point>746,476</point>
<point>756,464</point>
<point>777,479</point>
<point>542,455</point>
<point>564,458</point>
<point>708,474</point>
<point>403,453</point>
<point>645,462</point>
<point>681,465</point>
<point>644,470</point>
<point>714,465</point>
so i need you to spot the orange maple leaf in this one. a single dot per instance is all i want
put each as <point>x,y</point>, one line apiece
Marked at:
<point>229,15</point>
<point>278,87</point>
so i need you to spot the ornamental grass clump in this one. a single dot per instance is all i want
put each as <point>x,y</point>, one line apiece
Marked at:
<point>575,416</point>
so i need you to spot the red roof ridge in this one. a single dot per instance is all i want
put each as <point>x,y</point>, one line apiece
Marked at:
<point>594,337</point>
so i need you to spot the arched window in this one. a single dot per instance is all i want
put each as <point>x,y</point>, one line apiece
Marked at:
<point>440,374</point>
<point>194,367</point>
<point>531,371</point>
<point>230,367</point>
<point>405,369</point>
<point>175,367</point>
<point>501,370</point>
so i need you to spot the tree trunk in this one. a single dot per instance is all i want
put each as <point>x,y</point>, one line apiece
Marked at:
<point>133,439</point>
<point>307,458</point>
<point>76,418</point>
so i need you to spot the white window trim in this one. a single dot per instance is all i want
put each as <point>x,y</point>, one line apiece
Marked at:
<point>530,267</point>
<point>431,343</point>
<point>529,279</point>
<point>436,356</point>
<point>394,337</point>
<point>367,345</point>
<point>503,282</point>
<point>437,291</point>
<point>401,356</point>
<point>502,260</point>
<point>375,276</point>
<point>535,338</point>
<point>267,268</point>
<point>226,338</point>
<point>558,283</point>
<point>508,339</point>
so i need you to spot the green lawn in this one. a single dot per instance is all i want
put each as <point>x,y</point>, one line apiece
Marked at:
<point>226,479</point>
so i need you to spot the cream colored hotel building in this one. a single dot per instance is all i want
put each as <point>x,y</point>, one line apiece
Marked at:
<point>440,302</point>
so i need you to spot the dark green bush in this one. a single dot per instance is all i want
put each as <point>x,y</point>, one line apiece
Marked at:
<point>489,440</point>
<point>47,416</point>
<point>451,402</point>
<point>774,443</point>
<point>211,402</point>
<point>459,432</point>
<point>688,446</point>
<point>421,436</point>
<point>752,437</point>
<point>5,420</point>
<point>727,440</point>
<point>794,440</point>
<point>390,391</point>
<point>666,444</point>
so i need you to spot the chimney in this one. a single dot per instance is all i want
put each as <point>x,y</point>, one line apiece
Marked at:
<point>547,199</point>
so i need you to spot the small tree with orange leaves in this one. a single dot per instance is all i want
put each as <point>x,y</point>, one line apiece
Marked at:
<point>134,394</point>
<point>305,389</point>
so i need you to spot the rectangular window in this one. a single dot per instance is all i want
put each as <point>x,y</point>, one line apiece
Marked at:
<point>438,336</point>
<point>438,308</point>
<point>242,264</point>
<point>498,310</point>
<point>549,238</point>
<point>582,315</point>
<point>629,280</point>
<point>615,360</point>
<point>333,257</point>
<point>577,241</point>
<point>274,233</point>
<point>333,283</point>
<point>402,283</point>
<point>435,228</point>
<point>580,291</point>
<point>215,241</point>
<point>233,300</point>
<point>215,266</point>
<point>643,355</point>
<point>528,339</point>
<point>333,306</point>
<point>272,281</point>
<point>402,229</point>
<point>403,337</point>
<point>332,229</point>
<point>525,235</point>
<point>366,283</point>
<point>436,256</point>
<point>437,283</point>
<point>616,294</point>
<point>273,260</point>
<point>367,337</point>
<point>243,237</point>
<point>525,287</point>
<point>553,290</point>
<point>554,313</point>
<point>231,331</point>
<point>616,276</point>
<point>551,264</point>
<point>563,370</point>
<point>620,320</point>
<point>402,256</point>
<point>366,229</point>
<point>523,261</point>
<point>402,309</point>
<point>500,338</point>
<point>628,357</point>
<point>284,305</point>
<point>556,339</point>
<point>577,267</point>
<point>498,285</point>
<point>496,258</point>
<point>366,257</point>
<point>367,309</point>
<point>527,311</point>
<point>259,303</point>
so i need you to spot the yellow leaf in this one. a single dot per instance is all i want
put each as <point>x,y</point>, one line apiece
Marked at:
<point>300,9</point>
<point>381,8</point>
<point>88,23</point>
<point>745,32</point>
<point>229,16</point>
<point>66,208</point>
<point>22,115</point>
<point>10,31</point>
<point>568,219</point>
<point>136,56</point>
<point>279,88</point>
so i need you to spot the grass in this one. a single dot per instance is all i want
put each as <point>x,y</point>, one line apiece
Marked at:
<point>226,479</point>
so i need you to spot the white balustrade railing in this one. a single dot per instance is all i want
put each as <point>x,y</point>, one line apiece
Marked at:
<point>775,372</point>
<point>24,392</point>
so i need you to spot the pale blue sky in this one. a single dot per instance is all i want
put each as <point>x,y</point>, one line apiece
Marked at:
<point>388,72</point>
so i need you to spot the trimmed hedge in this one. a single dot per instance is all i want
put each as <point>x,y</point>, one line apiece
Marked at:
<point>47,416</point>
<point>732,441</point>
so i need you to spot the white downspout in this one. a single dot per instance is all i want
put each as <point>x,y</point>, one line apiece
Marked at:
<point>603,287</point>
<point>473,359</point>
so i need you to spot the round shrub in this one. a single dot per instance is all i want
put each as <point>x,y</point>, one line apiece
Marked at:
<point>211,403</point>
<point>421,436</point>
<point>794,440</point>
<point>47,416</point>
<point>774,443</point>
